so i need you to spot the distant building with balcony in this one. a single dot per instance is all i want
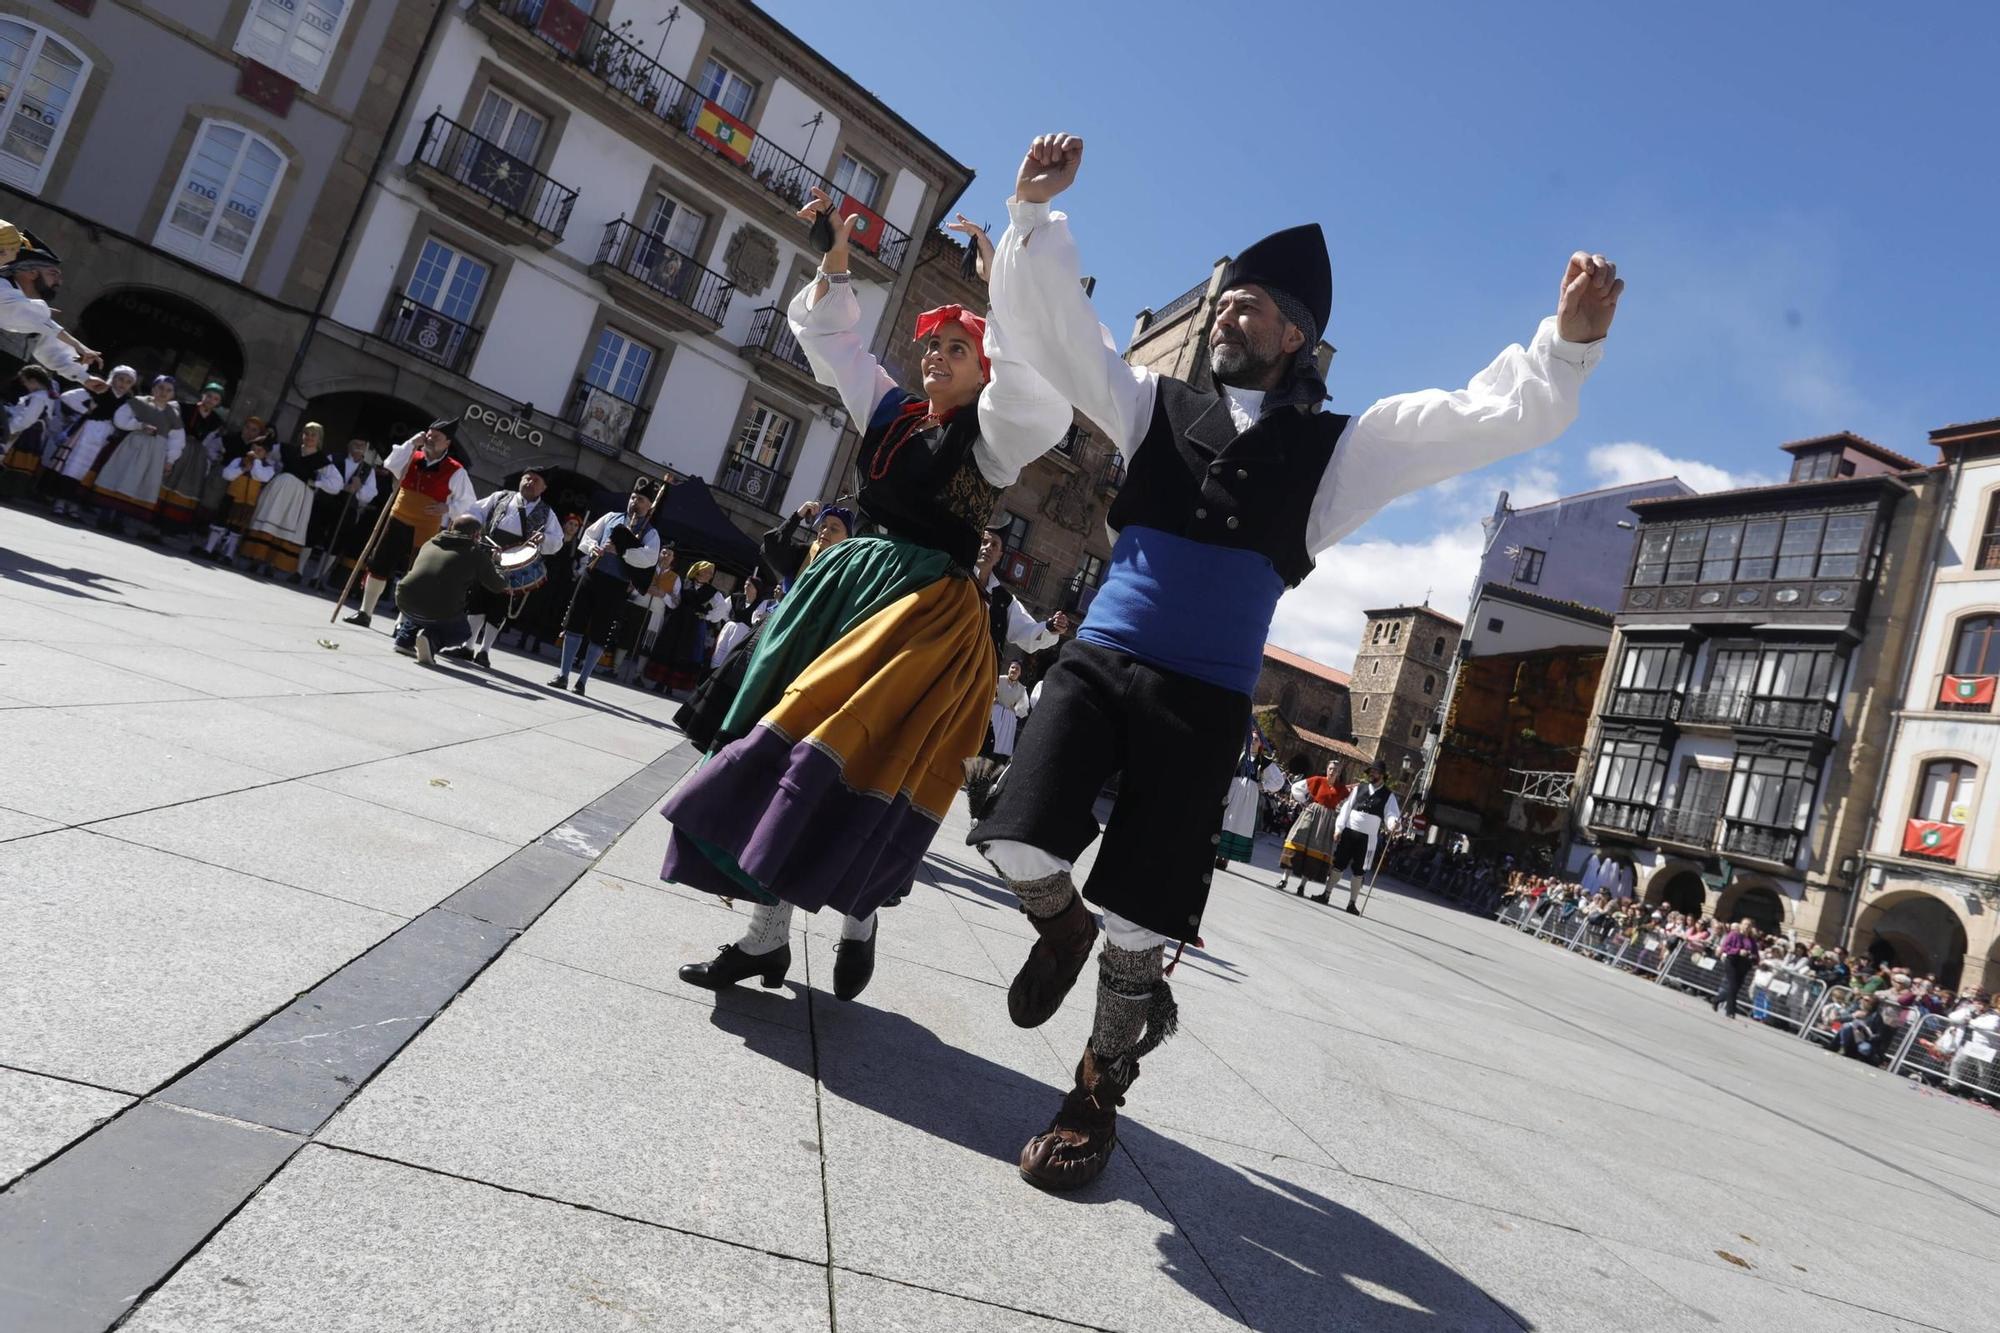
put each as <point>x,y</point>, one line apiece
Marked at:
<point>1742,721</point>
<point>1931,896</point>
<point>197,170</point>
<point>583,239</point>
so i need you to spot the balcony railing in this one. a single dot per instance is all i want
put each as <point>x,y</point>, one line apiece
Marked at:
<point>1808,715</point>
<point>627,71</point>
<point>603,420</point>
<point>1021,571</point>
<point>1632,817</point>
<point>1761,841</point>
<point>646,258</point>
<point>495,175</point>
<point>750,480</point>
<point>1112,475</point>
<point>437,338</point>
<point>1715,707</point>
<point>1690,828</point>
<point>1071,442</point>
<point>772,335</point>
<point>1641,703</point>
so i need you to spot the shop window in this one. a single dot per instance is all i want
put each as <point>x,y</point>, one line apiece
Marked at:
<point>41,77</point>
<point>224,193</point>
<point>294,37</point>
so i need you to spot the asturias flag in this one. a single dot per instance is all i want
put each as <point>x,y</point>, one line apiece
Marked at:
<point>867,224</point>
<point>1968,690</point>
<point>724,133</point>
<point>1925,838</point>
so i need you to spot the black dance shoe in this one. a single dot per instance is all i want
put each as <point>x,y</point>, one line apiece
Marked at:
<point>480,659</point>
<point>1326,897</point>
<point>853,965</point>
<point>578,687</point>
<point>360,618</point>
<point>732,965</point>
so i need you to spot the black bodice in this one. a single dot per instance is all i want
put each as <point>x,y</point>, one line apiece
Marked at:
<point>921,482</point>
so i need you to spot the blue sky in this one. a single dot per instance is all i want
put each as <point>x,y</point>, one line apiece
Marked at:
<point>1803,198</point>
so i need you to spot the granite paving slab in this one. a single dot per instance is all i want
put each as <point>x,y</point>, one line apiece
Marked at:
<point>119,965</point>
<point>17,824</point>
<point>69,766</point>
<point>41,1116</point>
<point>52,678</point>
<point>870,1305</point>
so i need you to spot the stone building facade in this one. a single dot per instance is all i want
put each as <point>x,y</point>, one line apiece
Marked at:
<point>1397,681</point>
<point>198,164</point>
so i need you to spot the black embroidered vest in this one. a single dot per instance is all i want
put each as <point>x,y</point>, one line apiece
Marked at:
<point>998,601</point>
<point>1195,477</point>
<point>924,485</point>
<point>1374,801</point>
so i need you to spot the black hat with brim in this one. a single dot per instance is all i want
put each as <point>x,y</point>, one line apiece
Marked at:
<point>35,253</point>
<point>447,427</point>
<point>1293,261</point>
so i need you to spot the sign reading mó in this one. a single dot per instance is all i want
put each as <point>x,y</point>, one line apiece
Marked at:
<point>500,424</point>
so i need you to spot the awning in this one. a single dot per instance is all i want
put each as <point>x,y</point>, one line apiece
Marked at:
<point>699,529</point>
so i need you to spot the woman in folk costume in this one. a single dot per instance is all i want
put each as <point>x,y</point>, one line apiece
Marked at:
<point>1308,852</point>
<point>284,512</point>
<point>129,485</point>
<point>202,424</point>
<point>31,421</point>
<point>871,683</point>
<point>97,402</point>
<point>681,650</point>
<point>1255,776</point>
<point>1010,708</point>
<point>243,480</point>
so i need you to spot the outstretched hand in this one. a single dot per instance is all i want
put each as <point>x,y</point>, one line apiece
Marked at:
<point>835,260</point>
<point>1049,168</point>
<point>964,226</point>
<point>1589,299</point>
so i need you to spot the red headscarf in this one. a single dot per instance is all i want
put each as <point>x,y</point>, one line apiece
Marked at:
<point>930,320</point>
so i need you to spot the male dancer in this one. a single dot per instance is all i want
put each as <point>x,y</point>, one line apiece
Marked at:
<point>1357,833</point>
<point>1227,498</point>
<point>432,487</point>
<point>338,514</point>
<point>28,282</point>
<point>618,551</point>
<point>512,518</point>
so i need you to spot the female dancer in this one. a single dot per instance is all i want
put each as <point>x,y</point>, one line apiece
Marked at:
<point>75,463</point>
<point>1308,849</point>
<point>284,510</point>
<point>129,485</point>
<point>870,683</point>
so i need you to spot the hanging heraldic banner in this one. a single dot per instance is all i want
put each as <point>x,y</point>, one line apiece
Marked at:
<point>1927,838</point>
<point>1968,690</point>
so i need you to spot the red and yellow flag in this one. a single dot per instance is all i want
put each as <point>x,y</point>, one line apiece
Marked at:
<point>724,133</point>
<point>1967,690</point>
<point>867,224</point>
<point>1927,838</point>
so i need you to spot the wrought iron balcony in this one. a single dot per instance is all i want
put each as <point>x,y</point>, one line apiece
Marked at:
<point>750,480</point>
<point>1813,716</point>
<point>1633,818</point>
<point>491,185</point>
<point>1715,708</point>
<point>644,85</point>
<point>670,285</point>
<point>437,338</point>
<point>1640,703</point>
<point>603,420</point>
<point>771,336</point>
<point>1690,828</point>
<point>1021,571</point>
<point>1761,841</point>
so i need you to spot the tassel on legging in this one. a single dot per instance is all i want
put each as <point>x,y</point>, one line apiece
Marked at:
<point>1135,1005</point>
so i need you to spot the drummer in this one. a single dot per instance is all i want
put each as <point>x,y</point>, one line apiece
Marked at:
<point>523,524</point>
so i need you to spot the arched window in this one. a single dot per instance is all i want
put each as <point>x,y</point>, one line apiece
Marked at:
<point>1437,649</point>
<point>41,76</point>
<point>1365,701</point>
<point>1288,699</point>
<point>1944,791</point>
<point>1395,633</point>
<point>1975,647</point>
<point>1430,684</point>
<point>224,194</point>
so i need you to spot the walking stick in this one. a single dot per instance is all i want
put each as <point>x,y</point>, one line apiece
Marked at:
<point>1368,889</point>
<point>367,554</point>
<point>332,542</point>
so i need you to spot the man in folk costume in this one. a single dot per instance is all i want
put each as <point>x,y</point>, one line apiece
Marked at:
<point>28,283</point>
<point>619,553</point>
<point>1369,812</point>
<point>513,519</point>
<point>870,685</point>
<point>342,515</point>
<point>431,487</point>
<point>1228,496</point>
<point>1257,774</point>
<point>1308,851</point>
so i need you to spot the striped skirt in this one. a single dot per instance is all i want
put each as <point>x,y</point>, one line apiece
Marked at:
<point>835,765</point>
<point>278,527</point>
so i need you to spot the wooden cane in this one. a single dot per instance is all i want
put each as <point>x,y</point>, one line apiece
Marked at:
<point>333,542</point>
<point>367,552</point>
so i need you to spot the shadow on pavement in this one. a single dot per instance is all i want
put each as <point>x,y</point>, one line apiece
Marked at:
<point>69,582</point>
<point>1288,1259</point>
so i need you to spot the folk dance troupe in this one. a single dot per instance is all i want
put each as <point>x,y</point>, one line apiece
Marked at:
<point>839,726</point>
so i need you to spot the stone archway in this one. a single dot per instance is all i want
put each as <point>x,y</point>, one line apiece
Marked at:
<point>1755,899</point>
<point>1679,888</point>
<point>158,332</point>
<point>383,421</point>
<point>1914,929</point>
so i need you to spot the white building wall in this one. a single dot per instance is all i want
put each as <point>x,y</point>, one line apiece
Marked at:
<point>371,265</point>
<point>534,339</point>
<point>697,407</point>
<point>1527,629</point>
<point>785,122</point>
<point>905,200</point>
<point>674,46</point>
<point>1923,738</point>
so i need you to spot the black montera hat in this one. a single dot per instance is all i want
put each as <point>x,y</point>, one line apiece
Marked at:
<point>35,253</point>
<point>1293,261</point>
<point>447,427</point>
<point>646,488</point>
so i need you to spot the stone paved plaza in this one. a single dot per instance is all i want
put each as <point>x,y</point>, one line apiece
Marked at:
<point>340,995</point>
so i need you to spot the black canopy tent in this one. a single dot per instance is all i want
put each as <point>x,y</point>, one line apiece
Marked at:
<point>689,519</point>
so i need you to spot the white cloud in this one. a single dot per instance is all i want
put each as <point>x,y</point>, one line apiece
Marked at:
<point>1323,617</point>
<point>1625,463</point>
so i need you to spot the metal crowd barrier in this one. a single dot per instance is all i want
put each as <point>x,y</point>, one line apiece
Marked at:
<point>1515,913</point>
<point>1647,954</point>
<point>1785,999</point>
<point>1694,970</point>
<point>1961,1058</point>
<point>1602,940</point>
<point>1823,1026</point>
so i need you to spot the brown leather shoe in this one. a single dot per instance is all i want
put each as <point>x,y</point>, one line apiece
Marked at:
<point>1053,964</point>
<point>1076,1147</point>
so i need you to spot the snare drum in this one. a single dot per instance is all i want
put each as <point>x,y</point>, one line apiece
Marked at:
<point>523,569</point>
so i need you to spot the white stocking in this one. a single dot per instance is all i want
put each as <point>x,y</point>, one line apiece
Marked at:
<point>770,928</point>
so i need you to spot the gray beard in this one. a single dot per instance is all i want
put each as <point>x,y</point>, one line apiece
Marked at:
<point>1238,367</point>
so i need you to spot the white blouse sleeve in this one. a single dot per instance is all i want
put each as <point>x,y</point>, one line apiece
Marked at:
<point>827,334</point>
<point>1021,416</point>
<point>125,418</point>
<point>461,498</point>
<point>1525,399</point>
<point>1037,291</point>
<point>552,534</point>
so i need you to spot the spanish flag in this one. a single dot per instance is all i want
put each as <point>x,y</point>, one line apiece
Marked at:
<point>724,133</point>
<point>867,224</point>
